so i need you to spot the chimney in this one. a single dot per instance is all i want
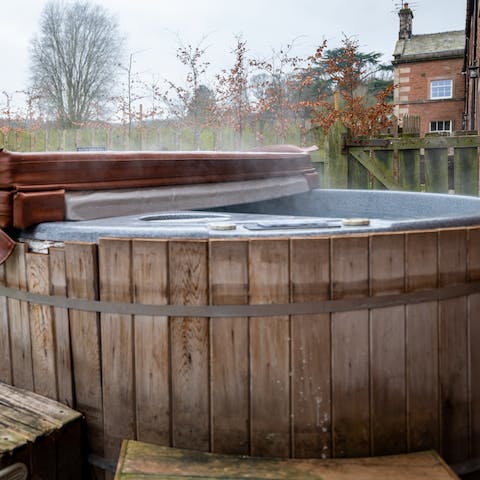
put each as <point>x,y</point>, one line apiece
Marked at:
<point>406,16</point>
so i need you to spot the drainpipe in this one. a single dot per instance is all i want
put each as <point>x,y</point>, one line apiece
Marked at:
<point>473,99</point>
<point>466,82</point>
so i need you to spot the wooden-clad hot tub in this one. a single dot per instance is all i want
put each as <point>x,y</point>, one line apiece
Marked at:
<point>346,343</point>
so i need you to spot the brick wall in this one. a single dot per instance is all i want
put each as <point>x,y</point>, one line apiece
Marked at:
<point>412,95</point>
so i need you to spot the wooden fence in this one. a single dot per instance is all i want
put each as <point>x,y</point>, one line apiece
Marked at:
<point>434,163</point>
<point>117,137</point>
<point>161,136</point>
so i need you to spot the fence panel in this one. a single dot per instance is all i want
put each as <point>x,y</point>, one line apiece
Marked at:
<point>436,170</point>
<point>466,170</point>
<point>404,162</point>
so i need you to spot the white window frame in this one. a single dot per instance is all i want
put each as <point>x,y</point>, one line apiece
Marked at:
<point>442,88</point>
<point>440,123</point>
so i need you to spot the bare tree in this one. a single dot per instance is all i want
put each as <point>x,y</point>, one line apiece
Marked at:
<point>188,103</point>
<point>74,59</point>
<point>233,92</point>
<point>273,85</point>
<point>132,88</point>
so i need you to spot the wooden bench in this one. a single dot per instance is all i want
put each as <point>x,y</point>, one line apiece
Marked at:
<point>41,434</point>
<point>145,461</point>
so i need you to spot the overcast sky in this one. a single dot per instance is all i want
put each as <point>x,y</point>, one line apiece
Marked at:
<point>152,27</point>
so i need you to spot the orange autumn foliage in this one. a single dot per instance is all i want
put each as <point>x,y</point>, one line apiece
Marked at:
<point>348,75</point>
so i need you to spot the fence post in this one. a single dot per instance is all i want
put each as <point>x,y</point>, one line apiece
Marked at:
<point>337,157</point>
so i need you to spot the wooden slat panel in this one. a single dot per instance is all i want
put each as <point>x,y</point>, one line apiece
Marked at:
<point>58,282</point>
<point>436,170</point>
<point>152,342</point>
<point>190,349</point>
<point>229,348</point>
<point>270,350</point>
<point>466,171</point>
<point>473,262</point>
<point>114,259</point>
<point>387,333</point>
<point>358,175</point>
<point>350,348</point>
<point>82,282</point>
<point>41,328</point>
<point>378,168</point>
<point>311,363</point>
<point>474,351</point>
<point>5,353</point>
<point>453,359</point>
<point>20,342</point>
<point>409,169</point>
<point>385,158</point>
<point>422,344</point>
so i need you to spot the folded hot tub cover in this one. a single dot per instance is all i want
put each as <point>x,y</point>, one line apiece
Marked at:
<point>33,185</point>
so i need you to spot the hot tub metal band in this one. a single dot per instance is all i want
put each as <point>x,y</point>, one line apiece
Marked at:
<point>260,310</point>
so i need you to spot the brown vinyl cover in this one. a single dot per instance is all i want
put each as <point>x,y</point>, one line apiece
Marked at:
<point>41,172</point>
<point>32,185</point>
<point>5,209</point>
<point>107,170</point>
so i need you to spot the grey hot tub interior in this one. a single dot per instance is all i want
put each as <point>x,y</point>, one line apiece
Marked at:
<point>316,212</point>
<point>388,205</point>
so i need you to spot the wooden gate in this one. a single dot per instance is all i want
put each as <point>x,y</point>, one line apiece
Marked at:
<point>435,163</point>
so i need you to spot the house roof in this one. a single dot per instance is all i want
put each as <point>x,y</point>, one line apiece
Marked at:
<point>430,46</point>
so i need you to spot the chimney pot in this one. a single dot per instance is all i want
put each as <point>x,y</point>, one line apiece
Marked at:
<point>406,17</point>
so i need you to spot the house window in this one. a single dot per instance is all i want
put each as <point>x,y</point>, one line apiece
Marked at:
<point>441,89</point>
<point>441,126</point>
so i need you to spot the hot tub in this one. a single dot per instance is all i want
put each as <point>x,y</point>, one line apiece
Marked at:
<point>274,328</point>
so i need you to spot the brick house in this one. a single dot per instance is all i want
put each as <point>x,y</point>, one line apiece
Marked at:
<point>428,74</point>
<point>471,66</point>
